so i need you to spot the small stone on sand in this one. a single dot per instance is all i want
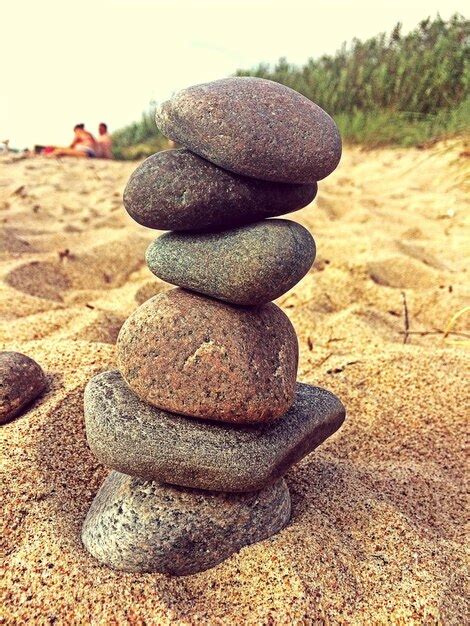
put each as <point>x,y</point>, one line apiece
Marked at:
<point>21,381</point>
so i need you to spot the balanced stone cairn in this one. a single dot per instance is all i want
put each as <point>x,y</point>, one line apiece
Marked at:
<point>204,416</point>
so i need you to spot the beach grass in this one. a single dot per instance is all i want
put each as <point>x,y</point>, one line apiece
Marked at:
<point>392,89</point>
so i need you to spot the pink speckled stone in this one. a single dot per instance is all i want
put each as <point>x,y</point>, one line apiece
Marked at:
<point>200,357</point>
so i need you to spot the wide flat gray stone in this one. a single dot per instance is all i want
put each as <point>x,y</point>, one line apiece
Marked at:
<point>178,190</point>
<point>248,265</point>
<point>255,127</point>
<point>143,526</point>
<point>133,437</point>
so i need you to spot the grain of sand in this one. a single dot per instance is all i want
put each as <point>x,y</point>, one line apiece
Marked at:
<point>377,533</point>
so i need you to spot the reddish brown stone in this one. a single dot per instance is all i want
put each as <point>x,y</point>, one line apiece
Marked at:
<point>21,381</point>
<point>254,127</point>
<point>200,357</point>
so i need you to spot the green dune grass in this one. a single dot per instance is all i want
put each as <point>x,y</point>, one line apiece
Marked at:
<point>404,90</point>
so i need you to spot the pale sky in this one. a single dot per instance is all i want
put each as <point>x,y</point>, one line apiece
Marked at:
<point>68,61</point>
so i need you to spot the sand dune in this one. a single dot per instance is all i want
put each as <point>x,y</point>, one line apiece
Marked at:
<point>377,534</point>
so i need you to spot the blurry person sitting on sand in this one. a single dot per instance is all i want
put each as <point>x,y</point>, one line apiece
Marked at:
<point>104,143</point>
<point>83,145</point>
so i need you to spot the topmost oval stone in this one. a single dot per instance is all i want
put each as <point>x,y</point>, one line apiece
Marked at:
<point>255,127</point>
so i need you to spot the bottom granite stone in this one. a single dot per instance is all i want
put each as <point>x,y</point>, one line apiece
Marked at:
<point>143,526</point>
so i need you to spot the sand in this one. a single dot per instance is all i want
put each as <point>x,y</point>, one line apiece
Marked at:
<point>377,533</point>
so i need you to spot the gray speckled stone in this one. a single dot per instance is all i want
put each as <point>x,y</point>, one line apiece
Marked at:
<point>254,127</point>
<point>142,526</point>
<point>133,437</point>
<point>178,190</point>
<point>197,356</point>
<point>21,381</point>
<point>248,265</point>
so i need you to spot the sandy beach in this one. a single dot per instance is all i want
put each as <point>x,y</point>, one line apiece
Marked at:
<point>378,528</point>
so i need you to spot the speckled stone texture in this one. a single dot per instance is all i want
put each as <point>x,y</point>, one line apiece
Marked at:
<point>133,437</point>
<point>200,357</point>
<point>21,381</point>
<point>254,127</point>
<point>178,190</point>
<point>143,526</point>
<point>248,265</point>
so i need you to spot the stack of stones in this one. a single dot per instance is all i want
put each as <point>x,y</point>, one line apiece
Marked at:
<point>204,416</point>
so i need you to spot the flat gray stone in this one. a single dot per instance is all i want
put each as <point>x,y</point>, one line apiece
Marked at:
<point>255,127</point>
<point>178,190</point>
<point>249,265</point>
<point>133,437</point>
<point>22,380</point>
<point>143,526</point>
